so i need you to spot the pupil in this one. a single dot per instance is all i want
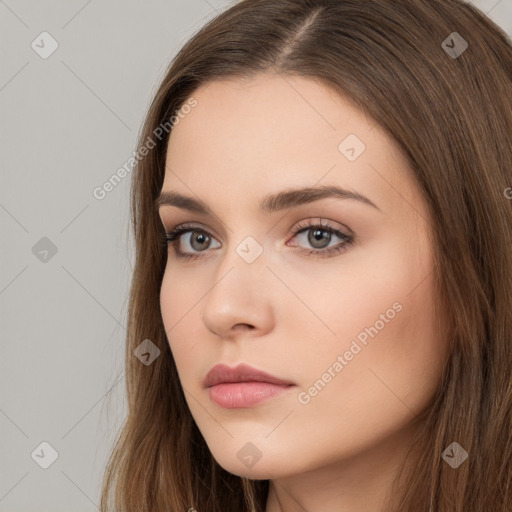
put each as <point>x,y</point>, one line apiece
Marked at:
<point>200,238</point>
<point>318,235</point>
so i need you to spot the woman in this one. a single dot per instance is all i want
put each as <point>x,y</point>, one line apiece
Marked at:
<point>323,274</point>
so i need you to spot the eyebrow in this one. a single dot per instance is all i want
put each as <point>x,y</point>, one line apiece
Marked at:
<point>288,198</point>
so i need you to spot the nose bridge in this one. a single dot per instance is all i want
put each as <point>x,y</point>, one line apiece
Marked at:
<point>245,257</point>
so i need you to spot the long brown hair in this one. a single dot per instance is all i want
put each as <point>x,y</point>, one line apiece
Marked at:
<point>449,107</point>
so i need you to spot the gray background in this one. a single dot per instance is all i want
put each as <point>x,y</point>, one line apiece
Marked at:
<point>69,121</point>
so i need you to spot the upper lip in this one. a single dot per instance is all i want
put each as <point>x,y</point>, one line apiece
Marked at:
<point>241,373</point>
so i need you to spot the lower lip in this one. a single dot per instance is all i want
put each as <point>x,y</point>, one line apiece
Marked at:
<point>244,394</point>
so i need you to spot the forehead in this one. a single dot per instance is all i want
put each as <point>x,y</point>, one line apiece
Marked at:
<point>267,113</point>
<point>274,131</point>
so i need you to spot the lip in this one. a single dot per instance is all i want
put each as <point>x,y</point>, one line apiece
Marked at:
<point>233,395</point>
<point>242,386</point>
<point>222,373</point>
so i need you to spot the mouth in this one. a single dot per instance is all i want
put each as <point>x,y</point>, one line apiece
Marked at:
<point>243,385</point>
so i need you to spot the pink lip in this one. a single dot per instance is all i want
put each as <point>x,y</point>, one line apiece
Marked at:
<point>244,394</point>
<point>221,373</point>
<point>242,386</point>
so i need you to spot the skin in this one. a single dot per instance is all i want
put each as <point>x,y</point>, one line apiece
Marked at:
<point>292,314</point>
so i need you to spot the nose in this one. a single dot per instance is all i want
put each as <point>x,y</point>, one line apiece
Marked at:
<point>240,298</point>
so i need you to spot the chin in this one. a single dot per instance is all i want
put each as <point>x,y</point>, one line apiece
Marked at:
<point>245,462</point>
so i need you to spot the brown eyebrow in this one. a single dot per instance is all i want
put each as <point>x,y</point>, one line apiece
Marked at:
<point>271,203</point>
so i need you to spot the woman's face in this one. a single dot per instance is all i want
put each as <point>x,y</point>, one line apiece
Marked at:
<point>277,285</point>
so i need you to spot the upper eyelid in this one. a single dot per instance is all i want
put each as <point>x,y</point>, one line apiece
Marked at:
<point>299,227</point>
<point>309,205</point>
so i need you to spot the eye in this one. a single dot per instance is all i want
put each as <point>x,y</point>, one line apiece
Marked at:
<point>198,238</point>
<point>319,237</point>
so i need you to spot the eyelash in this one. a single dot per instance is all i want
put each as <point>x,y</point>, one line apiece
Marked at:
<point>172,237</point>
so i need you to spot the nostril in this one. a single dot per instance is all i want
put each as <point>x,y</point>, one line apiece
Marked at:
<point>244,326</point>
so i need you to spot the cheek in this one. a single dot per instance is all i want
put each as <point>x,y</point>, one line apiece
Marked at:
<point>178,297</point>
<point>391,330</point>
<point>382,290</point>
<point>386,336</point>
<point>379,391</point>
<point>180,293</point>
<point>399,349</point>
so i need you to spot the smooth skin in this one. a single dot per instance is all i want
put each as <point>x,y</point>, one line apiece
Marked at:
<point>290,312</point>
